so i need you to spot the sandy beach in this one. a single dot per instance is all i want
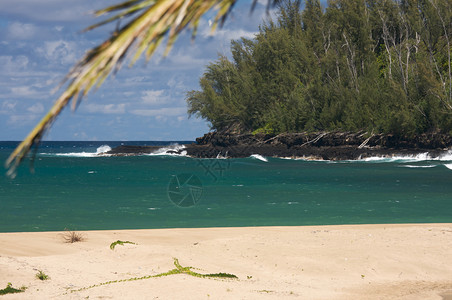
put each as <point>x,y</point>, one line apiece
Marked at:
<point>310,262</point>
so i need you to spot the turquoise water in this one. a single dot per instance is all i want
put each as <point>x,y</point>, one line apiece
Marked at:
<point>72,189</point>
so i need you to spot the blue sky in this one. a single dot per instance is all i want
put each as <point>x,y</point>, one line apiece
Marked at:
<point>41,40</point>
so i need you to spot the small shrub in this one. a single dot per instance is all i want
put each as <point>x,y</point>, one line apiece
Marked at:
<point>118,242</point>
<point>10,290</point>
<point>267,129</point>
<point>42,276</point>
<point>72,236</point>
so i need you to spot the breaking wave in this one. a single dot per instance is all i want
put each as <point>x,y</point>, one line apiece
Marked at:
<point>100,151</point>
<point>172,150</point>
<point>259,157</point>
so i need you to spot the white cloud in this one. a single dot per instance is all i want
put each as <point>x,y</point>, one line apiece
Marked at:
<point>184,60</point>
<point>128,94</point>
<point>228,35</point>
<point>60,51</point>
<point>13,64</point>
<point>175,83</point>
<point>37,108</point>
<point>161,119</point>
<point>8,106</point>
<point>154,97</point>
<point>21,120</point>
<point>135,79</point>
<point>17,30</point>
<point>166,111</point>
<point>22,91</point>
<point>105,108</point>
<point>52,10</point>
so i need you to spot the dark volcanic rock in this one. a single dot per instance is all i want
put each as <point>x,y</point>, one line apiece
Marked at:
<point>320,145</point>
<point>133,150</point>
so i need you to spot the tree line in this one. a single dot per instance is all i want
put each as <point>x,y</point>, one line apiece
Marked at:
<point>378,65</point>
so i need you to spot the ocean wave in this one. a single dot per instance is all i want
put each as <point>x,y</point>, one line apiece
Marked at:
<point>100,151</point>
<point>304,158</point>
<point>408,158</point>
<point>420,166</point>
<point>259,157</point>
<point>421,157</point>
<point>449,166</point>
<point>171,150</point>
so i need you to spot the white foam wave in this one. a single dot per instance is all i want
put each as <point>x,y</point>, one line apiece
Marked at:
<point>447,156</point>
<point>414,166</point>
<point>221,156</point>
<point>418,157</point>
<point>100,151</point>
<point>172,150</point>
<point>304,158</point>
<point>449,166</point>
<point>103,149</point>
<point>410,158</point>
<point>259,157</point>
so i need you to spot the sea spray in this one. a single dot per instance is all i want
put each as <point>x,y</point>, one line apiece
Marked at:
<point>172,150</point>
<point>259,157</point>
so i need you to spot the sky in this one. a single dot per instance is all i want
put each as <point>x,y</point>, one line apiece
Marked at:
<point>41,40</point>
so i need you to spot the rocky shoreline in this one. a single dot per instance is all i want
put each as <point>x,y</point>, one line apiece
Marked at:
<point>319,145</point>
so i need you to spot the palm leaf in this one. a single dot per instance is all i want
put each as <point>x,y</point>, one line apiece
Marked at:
<point>150,22</point>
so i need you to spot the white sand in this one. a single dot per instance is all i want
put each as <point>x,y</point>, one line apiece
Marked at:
<point>318,262</point>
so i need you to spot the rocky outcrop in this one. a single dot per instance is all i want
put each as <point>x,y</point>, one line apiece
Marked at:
<point>125,150</point>
<point>320,145</point>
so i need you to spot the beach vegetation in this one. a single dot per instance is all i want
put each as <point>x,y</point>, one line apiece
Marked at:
<point>11,290</point>
<point>178,270</point>
<point>72,236</point>
<point>42,276</point>
<point>118,242</point>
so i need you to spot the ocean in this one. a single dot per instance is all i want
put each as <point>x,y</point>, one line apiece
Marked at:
<point>74,188</point>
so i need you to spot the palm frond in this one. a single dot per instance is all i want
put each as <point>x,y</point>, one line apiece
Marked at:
<point>150,22</point>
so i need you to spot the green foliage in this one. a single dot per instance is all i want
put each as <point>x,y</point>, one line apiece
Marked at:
<point>42,276</point>
<point>178,270</point>
<point>267,129</point>
<point>10,290</point>
<point>381,66</point>
<point>118,242</point>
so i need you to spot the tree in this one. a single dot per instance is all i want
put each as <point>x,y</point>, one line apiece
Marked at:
<point>381,66</point>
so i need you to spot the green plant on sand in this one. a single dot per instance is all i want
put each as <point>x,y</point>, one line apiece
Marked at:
<point>118,242</point>
<point>178,270</point>
<point>10,290</point>
<point>42,276</point>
